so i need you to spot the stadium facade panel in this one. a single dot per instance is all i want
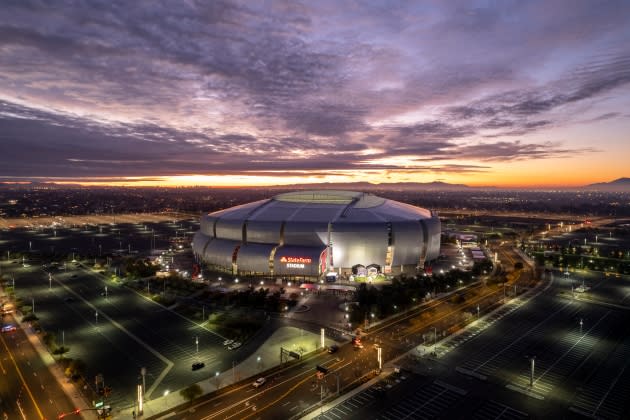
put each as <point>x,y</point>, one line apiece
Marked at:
<point>316,233</point>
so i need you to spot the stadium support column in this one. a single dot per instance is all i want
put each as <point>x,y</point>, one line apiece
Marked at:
<point>329,256</point>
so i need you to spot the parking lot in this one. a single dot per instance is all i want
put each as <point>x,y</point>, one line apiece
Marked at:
<point>578,351</point>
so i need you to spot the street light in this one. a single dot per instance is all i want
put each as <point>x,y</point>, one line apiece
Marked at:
<point>477,311</point>
<point>581,323</point>
<point>434,338</point>
<point>197,345</point>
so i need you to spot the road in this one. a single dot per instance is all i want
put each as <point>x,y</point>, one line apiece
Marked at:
<point>27,389</point>
<point>295,389</point>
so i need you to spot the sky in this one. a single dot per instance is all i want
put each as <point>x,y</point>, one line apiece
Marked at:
<point>232,93</point>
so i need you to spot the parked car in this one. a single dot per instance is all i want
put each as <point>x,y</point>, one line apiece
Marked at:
<point>259,382</point>
<point>9,328</point>
<point>228,342</point>
<point>333,349</point>
<point>198,365</point>
<point>234,345</point>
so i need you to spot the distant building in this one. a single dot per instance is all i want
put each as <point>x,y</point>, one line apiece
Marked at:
<point>319,234</point>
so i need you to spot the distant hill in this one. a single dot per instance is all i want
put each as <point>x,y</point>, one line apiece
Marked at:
<point>621,185</point>
<point>393,186</point>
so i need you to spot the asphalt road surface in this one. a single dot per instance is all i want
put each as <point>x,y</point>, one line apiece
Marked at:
<point>27,389</point>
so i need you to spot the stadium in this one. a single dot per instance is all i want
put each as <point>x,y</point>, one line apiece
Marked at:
<point>319,234</point>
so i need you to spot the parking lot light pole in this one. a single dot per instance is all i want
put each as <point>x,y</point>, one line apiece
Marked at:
<point>434,338</point>
<point>477,311</point>
<point>197,345</point>
<point>581,323</point>
<point>143,372</point>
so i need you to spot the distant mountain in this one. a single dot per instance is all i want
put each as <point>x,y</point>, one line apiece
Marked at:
<point>394,186</point>
<point>621,185</point>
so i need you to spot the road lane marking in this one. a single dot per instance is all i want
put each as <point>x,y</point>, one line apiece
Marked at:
<point>169,364</point>
<point>28,390</point>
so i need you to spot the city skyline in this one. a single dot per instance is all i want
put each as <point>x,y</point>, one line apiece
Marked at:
<point>271,93</point>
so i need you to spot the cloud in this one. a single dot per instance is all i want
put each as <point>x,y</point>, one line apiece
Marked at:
<point>217,87</point>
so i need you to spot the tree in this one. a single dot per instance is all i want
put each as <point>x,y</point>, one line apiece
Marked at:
<point>192,392</point>
<point>29,317</point>
<point>75,369</point>
<point>50,340</point>
<point>61,351</point>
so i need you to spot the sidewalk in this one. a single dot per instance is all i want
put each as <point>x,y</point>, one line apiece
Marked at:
<point>266,357</point>
<point>65,384</point>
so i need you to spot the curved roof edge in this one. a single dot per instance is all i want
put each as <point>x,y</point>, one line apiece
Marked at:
<point>341,197</point>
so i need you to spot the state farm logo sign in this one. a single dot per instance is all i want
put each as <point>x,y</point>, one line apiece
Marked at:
<point>296,262</point>
<point>299,260</point>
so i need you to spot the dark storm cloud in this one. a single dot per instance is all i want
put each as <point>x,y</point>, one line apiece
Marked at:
<point>217,87</point>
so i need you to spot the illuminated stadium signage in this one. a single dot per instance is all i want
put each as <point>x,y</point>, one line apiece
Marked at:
<point>296,260</point>
<point>294,265</point>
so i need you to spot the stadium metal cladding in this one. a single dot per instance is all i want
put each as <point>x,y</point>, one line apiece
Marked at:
<point>319,233</point>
